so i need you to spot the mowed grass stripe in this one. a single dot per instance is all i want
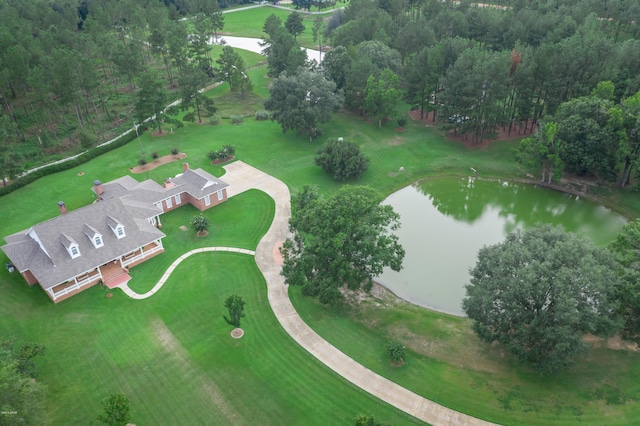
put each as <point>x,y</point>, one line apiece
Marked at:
<point>265,359</point>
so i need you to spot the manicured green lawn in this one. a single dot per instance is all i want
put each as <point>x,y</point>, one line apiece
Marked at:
<point>240,222</point>
<point>249,23</point>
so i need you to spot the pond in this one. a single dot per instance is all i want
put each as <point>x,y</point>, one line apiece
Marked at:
<point>445,222</point>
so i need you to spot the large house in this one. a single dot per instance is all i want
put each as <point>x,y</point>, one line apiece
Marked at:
<point>99,242</point>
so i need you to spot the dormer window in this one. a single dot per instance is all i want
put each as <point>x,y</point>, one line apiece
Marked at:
<point>70,244</point>
<point>116,227</point>
<point>93,234</point>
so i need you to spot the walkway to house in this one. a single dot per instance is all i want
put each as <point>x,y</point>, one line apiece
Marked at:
<point>241,177</point>
<point>132,294</point>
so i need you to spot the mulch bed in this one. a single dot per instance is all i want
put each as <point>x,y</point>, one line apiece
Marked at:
<point>223,160</point>
<point>158,162</point>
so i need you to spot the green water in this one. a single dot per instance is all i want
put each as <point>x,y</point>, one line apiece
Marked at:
<point>446,221</point>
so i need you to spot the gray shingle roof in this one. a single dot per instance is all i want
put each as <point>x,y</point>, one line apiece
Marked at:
<point>51,263</point>
<point>196,182</point>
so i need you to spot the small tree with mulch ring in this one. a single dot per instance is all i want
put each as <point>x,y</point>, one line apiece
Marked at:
<point>116,410</point>
<point>396,352</point>
<point>235,305</point>
<point>200,224</point>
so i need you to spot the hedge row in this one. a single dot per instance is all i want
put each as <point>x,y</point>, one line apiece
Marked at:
<point>60,167</point>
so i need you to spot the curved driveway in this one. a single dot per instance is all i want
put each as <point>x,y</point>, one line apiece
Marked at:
<point>241,177</point>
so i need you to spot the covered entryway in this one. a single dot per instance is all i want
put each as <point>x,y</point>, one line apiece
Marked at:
<point>114,275</point>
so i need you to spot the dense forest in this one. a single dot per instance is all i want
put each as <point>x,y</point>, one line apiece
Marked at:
<point>70,71</point>
<point>491,65</point>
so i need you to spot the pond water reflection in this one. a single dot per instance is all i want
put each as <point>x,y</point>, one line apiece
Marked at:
<point>446,221</point>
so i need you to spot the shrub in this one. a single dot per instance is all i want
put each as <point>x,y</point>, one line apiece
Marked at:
<point>229,150</point>
<point>237,119</point>
<point>396,352</point>
<point>343,160</point>
<point>87,139</point>
<point>199,224</point>
<point>262,115</point>
<point>154,154</point>
<point>315,133</point>
<point>402,121</point>
<point>215,119</point>
<point>174,151</point>
<point>223,153</point>
<point>142,161</point>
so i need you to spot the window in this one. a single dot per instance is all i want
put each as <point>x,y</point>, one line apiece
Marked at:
<point>74,251</point>
<point>177,199</point>
<point>168,201</point>
<point>120,231</point>
<point>207,200</point>
<point>219,195</point>
<point>97,241</point>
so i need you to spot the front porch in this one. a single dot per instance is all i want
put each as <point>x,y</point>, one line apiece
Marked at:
<point>112,274</point>
<point>142,254</point>
<point>76,285</point>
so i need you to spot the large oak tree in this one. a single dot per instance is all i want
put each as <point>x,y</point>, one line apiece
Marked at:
<point>302,101</point>
<point>343,240</point>
<point>539,292</point>
<point>626,249</point>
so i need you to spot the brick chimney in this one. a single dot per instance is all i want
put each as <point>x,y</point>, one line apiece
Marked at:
<point>185,167</point>
<point>62,207</point>
<point>97,186</point>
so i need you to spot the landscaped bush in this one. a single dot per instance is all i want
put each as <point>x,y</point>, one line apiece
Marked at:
<point>175,151</point>
<point>343,160</point>
<point>154,154</point>
<point>402,121</point>
<point>237,119</point>
<point>223,153</point>
<point>215,119</point>
<point>396,353</point>
<point>200,224</point>
<point>262,115</point>
<point>142,161</point>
